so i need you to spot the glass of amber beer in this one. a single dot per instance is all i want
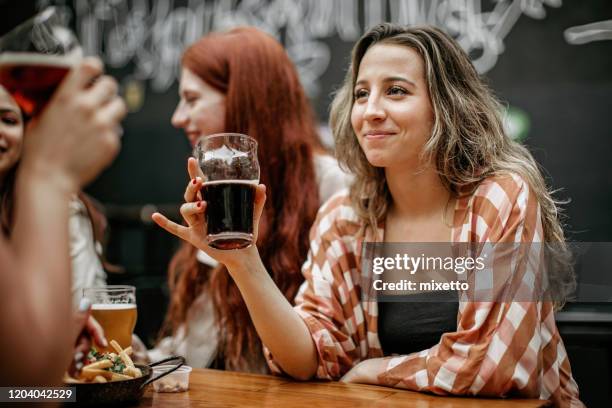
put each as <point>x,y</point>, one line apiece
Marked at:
<point>35,57</point>
<point>231,173</point>
<point>114,307</point>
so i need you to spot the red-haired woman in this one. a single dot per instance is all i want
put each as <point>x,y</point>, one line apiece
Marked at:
<point>243,81</point>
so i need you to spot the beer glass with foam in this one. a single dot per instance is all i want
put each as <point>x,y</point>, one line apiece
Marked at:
<point>114,307</point>
<point>231,173</point>
<point>35,57</point>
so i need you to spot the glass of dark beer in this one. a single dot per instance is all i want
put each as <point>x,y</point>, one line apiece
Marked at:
<point>35,57</point>
<point>231,173</point>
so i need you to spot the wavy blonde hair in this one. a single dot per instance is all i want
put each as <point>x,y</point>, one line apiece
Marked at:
<point>468,143</point>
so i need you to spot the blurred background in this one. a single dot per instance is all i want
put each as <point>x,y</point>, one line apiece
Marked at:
<point>549,61</point>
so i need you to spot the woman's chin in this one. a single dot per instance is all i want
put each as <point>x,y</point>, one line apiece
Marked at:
<point>377,160</point>
<point>6,163</point>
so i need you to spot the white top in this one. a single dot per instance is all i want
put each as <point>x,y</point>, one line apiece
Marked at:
<point>330,177</point>
<point>87,270</point>
<point>199,345</point>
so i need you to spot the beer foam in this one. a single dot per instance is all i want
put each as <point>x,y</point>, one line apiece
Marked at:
<point>113,306</point>
<point>249,182</point>
<point>32,58</point>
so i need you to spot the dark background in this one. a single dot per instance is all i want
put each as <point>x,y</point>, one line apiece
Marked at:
<point>563,89</point>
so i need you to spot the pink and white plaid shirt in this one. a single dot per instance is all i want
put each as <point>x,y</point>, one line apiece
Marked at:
<point>499,348</point>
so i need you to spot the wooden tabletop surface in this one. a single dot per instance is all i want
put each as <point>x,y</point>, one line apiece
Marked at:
<point>214,388</point>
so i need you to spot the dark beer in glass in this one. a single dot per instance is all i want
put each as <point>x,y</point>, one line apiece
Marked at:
<point>231,173</point>
<point>229,208</point>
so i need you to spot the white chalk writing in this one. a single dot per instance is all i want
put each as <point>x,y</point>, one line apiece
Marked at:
<point>586,33</point>
<point>152,35</point>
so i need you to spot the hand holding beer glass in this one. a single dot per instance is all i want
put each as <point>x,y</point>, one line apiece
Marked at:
<point>76,135</point>
<point>114,307</point>
<point>229,165</point>
<point>225,174</point>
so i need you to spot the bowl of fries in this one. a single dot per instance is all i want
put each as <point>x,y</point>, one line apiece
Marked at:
<point>112,378</point>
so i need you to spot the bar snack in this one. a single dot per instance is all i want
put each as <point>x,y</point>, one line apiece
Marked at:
<point>106,367</point>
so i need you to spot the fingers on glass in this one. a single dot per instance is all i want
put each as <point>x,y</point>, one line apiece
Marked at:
<point>192,192</point>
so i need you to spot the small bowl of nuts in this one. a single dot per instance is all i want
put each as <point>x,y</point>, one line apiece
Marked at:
<point>176,381</point>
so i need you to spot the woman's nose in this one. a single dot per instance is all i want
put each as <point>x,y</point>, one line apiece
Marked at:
<point>374,110</point>
<point>179,117</point>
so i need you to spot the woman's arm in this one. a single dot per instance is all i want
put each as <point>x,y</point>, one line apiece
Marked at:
<point>37,336</point>
<point>72,141</point>
<point>280,328</point>
<point>278,325</point>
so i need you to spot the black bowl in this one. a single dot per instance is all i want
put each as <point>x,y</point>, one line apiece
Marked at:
<point>120,392</point>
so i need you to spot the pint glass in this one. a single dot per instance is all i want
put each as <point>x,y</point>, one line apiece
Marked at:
<point>231,174</point>
<point>35,57</point>
<point>114,307</point>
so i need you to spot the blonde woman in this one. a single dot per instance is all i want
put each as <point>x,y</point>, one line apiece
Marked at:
<point>423,136</point>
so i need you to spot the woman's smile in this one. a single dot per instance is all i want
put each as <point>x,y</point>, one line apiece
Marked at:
<point>379,134</point>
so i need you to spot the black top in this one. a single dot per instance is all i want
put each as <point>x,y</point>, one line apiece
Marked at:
<point>410,326</point>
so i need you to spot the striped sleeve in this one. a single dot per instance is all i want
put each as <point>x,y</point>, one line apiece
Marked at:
<point>328,300</point>
<point>500,347</point>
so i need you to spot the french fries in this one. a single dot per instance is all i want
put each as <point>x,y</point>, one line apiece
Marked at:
<point>107,367</point>
<point>132,372</point>
<point>102,364</point>
<point>122,354</point>
<point>91,373</point>
<point>119,377</point>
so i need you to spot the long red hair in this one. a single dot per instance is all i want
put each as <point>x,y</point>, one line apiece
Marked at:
<point>264,99</point>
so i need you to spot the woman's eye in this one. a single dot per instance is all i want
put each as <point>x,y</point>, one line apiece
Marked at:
<point>189,99</point>
<point>397,90</point>
<point>361,93</point>
<point>11,121</point>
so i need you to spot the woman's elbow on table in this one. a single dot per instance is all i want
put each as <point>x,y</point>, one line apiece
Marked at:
<point>302,373</point>
<point>301,366</point>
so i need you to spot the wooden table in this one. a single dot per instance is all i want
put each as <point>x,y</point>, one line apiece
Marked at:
<point>214,388</point>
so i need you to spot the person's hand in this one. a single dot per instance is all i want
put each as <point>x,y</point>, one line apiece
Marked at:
<point>77,134</point>
<point>193,213</point>
<point>88,332</point>
<point>365,372</point>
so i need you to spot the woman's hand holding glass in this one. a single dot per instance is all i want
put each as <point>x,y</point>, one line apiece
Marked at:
<point>74,110</point>
<point>76,135</point>
<point>193,212</point>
